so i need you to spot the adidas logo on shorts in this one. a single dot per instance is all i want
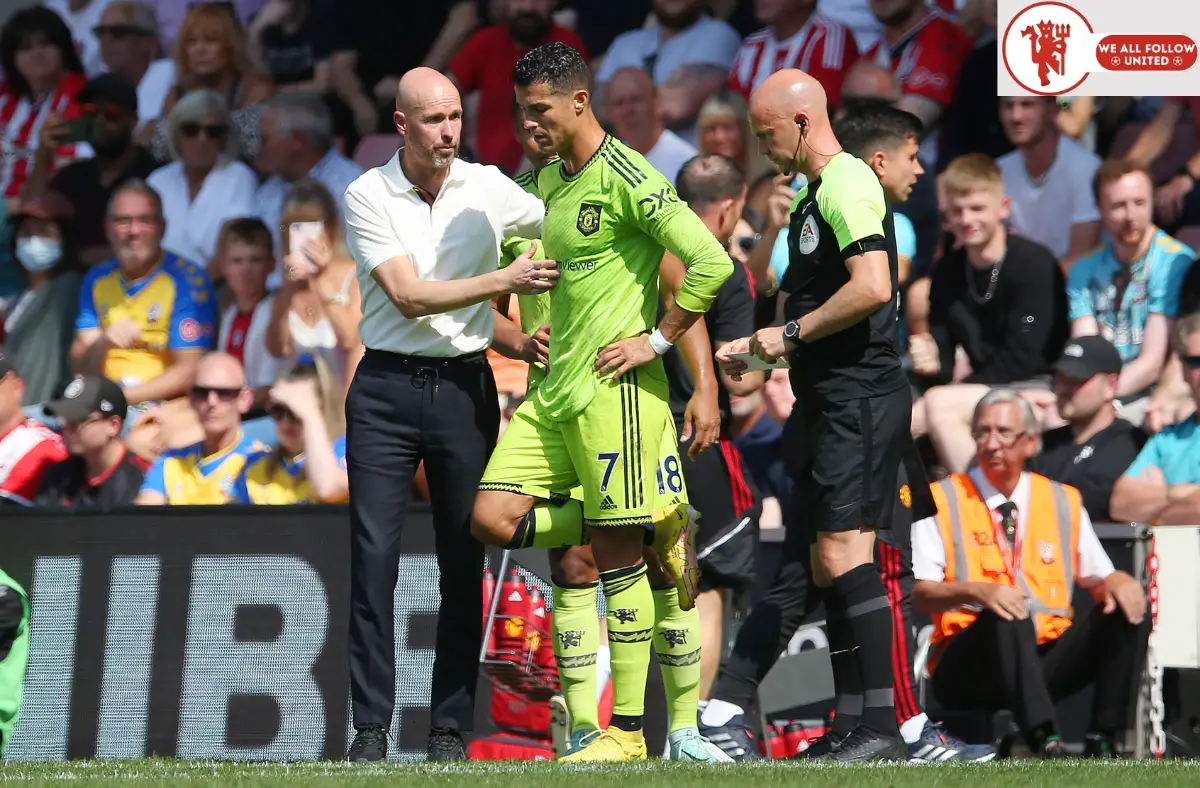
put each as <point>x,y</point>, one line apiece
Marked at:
<point>607,504</point>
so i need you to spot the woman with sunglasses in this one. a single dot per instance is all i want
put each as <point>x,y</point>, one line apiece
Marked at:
<point>42,77</point>
<point>205,185</point>
<point>307,465</point>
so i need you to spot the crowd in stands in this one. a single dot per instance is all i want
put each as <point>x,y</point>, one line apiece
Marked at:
<point>177,300</point>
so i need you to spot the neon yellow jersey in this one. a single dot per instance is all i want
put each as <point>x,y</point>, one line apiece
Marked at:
<point>274,481</point>
<point>607,226</point>
<point>186,476</point>
<point>174,307</point>
<point>535,309</point>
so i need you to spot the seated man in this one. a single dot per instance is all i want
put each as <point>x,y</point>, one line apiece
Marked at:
<point>1163,484</point>
<point>1000,298</point>
<point>205,472</point>
<point>996,568</point>
<point>1094,447</point>
<point>1128,289</point>
<point>27,447</point>
<point>100,472</point>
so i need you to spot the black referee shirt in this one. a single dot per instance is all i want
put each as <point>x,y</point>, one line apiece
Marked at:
<point>66,484</point>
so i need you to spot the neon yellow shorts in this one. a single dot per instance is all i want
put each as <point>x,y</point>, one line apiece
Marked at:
<point>620,456</point>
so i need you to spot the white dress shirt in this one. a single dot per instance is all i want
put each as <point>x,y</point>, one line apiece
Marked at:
<point>456,237</point>
<point>193,225</point>
<point>262,369</point>
<point>1092,564</point>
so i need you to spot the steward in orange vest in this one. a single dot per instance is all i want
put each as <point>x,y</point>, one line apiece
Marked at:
<point>997,570</point>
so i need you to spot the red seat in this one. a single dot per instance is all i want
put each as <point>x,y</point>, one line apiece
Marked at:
<point>375,149</point>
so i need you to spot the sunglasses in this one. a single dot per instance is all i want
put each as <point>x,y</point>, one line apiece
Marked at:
<point>213,131</point>
<point>280,413</point>
<point>1191,362</point>
<point>120,31</point>
<point>202,393</point>
<point>748,242</point>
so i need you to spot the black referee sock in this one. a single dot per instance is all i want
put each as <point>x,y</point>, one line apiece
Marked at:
<point>864,603</point>
<point>847,681</point>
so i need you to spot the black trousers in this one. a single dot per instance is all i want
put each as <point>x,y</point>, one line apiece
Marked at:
<point>996,664</point>
<point>401,410</point>
<point>793,598</point>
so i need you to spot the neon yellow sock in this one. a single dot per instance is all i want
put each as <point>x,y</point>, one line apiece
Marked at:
<point>575,625</point>
<point>630,630</point>
<point>677,644</point>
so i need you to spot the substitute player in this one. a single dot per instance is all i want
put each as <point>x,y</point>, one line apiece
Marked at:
<point>852,398</point>
<point>576,627</point>
<point>609,218</point>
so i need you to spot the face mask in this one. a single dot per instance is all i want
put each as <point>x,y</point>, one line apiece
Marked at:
<point>39,254</point>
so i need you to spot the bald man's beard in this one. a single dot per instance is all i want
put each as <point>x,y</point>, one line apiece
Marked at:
<point>441,159</point>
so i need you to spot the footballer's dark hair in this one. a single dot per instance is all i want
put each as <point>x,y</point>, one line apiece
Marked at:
<point>709,178</point>
<point>556,64</point>
<point>869,129</point>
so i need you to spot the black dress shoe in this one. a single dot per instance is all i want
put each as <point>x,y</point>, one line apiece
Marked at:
<point>370,745</point>
<point>446,744</point>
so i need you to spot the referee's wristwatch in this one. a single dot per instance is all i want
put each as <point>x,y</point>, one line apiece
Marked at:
<point>791,333</point>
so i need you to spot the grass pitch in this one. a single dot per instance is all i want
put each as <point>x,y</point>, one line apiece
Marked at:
<point>651,774</point>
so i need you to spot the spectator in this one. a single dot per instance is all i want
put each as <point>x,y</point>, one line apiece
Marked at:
<point>81,18</point>
<point>796,35</point>
<point>1047,179</point>
<point>146,315</point>
<point>172,16</point>
<point>284,42</point>
<point>485,63</point>
<point>1001,298</point>
<point>723,127</point>
<point>1002,607</point>
<point>1095,447</point>
<point>128,33</point>
<point>40,77</point>
<point>868,85</point>
<point>205,185</point>
<point>246,260</point>
<point>972,120</point>
<point>601,21</point>
<point>210,55</point>
<point>635,113</point>
<point>297,142</point>
<point>27,448</point>
<point>317,311</point>
<point>373,43</point>
<point>88,184</point>
<point>1128,290</point>
<point>39,325</point>
<point>687,53</point>
<point>101,472</point>
<point>1176,202</point>
<point>205,472</point>
<point>1162,486</point>
<point>309,465</point>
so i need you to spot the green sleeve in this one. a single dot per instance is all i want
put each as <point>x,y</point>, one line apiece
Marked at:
<point>657,210</point>
<point>853,203</point>
<point>512,248</point>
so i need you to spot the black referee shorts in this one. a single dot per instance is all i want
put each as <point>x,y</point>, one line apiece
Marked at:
<point>727,533</point>
<point>846,461</point>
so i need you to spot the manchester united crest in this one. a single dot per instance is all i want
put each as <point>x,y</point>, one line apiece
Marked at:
<point>906,496</point>
<point>589,218</point>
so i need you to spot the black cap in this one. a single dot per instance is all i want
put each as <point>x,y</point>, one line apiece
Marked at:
<point>1084,357</point>
<point>87,395</point>
<point>112,89</point>
<point>6,363</point>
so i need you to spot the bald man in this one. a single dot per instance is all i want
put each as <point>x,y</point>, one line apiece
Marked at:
<point>868,84</point>
<point>425,231</point>
<point>204,472</point>
<point>632,106</point>
<point>850,424</point>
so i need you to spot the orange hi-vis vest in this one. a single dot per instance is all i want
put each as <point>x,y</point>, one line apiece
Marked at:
<point>1046,552</point>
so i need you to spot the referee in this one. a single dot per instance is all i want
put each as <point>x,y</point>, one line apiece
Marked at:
<point>853,405</point>
<point>425,231</point>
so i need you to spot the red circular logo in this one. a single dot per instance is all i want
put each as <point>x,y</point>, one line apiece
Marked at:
<point>1047,48</point>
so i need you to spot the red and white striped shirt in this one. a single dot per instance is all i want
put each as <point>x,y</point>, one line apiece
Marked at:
<point>928,58</point>
<point>20,124</point>
<point>26,451</point>
<point>824,48</point>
